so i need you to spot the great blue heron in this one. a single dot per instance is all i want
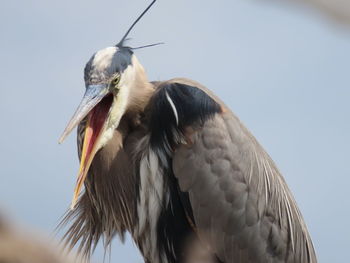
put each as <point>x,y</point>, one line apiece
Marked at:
<point>171,164</point>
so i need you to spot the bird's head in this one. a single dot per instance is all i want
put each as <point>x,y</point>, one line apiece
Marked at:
<point>115,83</point>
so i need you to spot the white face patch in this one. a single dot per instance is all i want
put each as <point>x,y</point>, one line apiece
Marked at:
<point>103,58</point>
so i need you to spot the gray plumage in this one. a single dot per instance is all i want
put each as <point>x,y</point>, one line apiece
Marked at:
<point>107,207</point>
<point>242,207</point>
<point>256,219</point>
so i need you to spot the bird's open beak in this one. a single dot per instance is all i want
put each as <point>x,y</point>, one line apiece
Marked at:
<point>96,105</point>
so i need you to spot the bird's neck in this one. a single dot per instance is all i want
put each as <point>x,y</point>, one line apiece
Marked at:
<point>139,99</point>
<point>141,89</point>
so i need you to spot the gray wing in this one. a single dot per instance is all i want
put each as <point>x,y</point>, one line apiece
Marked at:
<point>242,207</point>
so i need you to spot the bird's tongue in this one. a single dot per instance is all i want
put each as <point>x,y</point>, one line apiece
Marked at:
<point>96,121</point>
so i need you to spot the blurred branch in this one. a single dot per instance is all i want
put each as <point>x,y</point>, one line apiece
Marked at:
<point>18,246</point>
<point>336,9</point>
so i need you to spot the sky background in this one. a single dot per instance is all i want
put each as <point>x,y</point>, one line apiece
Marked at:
<point>282,69</point>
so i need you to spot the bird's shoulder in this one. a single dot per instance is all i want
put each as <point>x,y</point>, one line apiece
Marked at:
<point>175,106</point>
<point>240,203</point>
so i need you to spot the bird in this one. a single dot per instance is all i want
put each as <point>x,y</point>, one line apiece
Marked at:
<point>171,164</point>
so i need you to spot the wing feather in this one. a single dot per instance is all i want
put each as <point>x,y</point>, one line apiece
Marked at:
<point>241,205</point>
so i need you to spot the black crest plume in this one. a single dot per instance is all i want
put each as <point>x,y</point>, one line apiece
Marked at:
<point>121,42</point>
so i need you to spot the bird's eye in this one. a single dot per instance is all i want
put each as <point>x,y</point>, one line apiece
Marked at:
<point>115,81</point>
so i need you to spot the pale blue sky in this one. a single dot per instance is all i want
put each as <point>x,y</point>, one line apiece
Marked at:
<point>283,70</point>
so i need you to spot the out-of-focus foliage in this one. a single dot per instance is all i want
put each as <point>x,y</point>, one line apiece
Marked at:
<point>336,9</point>
<point>18,246</point>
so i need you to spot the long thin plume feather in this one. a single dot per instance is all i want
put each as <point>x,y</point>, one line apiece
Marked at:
<point>120,44</point>
<point>150,45</point>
